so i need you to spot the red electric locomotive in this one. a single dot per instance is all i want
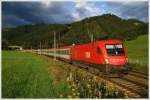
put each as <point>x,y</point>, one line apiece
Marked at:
<point>106,56</point>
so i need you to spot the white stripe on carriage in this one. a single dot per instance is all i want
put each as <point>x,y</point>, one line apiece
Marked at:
<point>57,55</point>
<point>56,50</point>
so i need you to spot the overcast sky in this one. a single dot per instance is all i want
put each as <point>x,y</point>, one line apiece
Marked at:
<point>22,13</point>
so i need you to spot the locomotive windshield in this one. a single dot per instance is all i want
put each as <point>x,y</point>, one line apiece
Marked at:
<point>115,49</point>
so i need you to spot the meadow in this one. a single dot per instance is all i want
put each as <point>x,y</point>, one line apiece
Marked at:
<point>138,53</point>
<point>26,75</point>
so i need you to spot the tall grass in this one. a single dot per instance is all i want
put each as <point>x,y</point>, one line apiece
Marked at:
<point>138,49</point>
<point>138,52</point>
<point>26,76</point>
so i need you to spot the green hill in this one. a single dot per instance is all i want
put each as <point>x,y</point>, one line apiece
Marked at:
<point>138,52</point>
<point>31,35</point>
<point>107,26</point>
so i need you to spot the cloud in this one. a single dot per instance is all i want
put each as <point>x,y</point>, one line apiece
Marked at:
<point>130,9</point>
<point>14,21</point>
<point>34,12</point>
<point>46,3</point>
<point>21,13</point>
<point>85,9</point>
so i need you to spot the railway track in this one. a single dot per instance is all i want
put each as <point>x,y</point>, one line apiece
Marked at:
<point>137,80</point>
<point>131,86</point>
<point>139,74</point>
<point>134,85</point>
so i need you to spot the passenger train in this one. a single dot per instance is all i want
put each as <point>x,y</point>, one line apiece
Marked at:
<point>107,56</point>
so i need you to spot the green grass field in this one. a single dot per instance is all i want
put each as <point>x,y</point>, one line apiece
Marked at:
<point>27,76</point>
<point>138,52</point>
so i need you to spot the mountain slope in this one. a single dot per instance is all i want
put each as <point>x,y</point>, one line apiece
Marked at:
<point>32,35</point>
<point>107,26</point>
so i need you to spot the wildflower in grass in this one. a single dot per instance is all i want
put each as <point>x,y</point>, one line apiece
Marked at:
<point>89,80</point>
<point>116,92</point>
<point>61,96</point>
<point>85,86</point>
<point>73,89</point>
<point>88,85</point>
<point>77,81</point>
<point>78,93</point>
<point>78,84</point>
<point>94,78</point>
<point>69,96</point>
<point>67,80</point>
<point>74,94</point>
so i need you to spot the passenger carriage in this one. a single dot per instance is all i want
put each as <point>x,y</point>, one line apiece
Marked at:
<point>107,56</point>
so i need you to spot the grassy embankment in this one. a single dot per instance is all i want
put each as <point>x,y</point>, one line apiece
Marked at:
<point>138,53</point>
<point>28,76</point>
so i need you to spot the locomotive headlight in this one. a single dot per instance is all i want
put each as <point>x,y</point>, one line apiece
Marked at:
<point>127,60</point>
<point>107,61</point>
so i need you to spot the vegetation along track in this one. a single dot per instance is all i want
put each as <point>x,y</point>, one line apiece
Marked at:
<point>135,87</point>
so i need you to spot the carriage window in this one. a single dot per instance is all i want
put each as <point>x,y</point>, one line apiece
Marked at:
<point>115,49</point>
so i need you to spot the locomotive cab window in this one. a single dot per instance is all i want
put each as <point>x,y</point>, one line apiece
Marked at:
<point>115,49</point>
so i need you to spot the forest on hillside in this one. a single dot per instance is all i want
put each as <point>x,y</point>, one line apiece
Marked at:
<point>102,27</point>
